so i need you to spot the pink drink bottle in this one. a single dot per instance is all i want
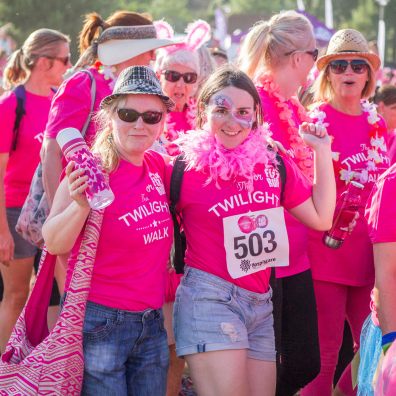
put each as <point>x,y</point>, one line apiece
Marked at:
<point>74,148</point>
<point>346,209</point>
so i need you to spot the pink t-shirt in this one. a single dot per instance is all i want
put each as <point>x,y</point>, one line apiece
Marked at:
<point>23,161</point>
<point>392,146</point>
<point>135,239</point>
<point>298,232</point>
<point>203,215</point>
<point>72,104</point>
<point>352,264</point>
<point>381,208</point>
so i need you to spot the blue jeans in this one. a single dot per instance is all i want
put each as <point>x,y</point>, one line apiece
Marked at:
<point>125,353</point>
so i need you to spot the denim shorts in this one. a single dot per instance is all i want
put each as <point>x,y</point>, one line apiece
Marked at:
<point>212,314</point>
<point>23,249</point>
<point>125,353</point>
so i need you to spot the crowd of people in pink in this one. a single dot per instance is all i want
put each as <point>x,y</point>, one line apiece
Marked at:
<point>206,226</point>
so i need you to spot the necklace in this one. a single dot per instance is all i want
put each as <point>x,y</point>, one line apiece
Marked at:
<point>302,152</point>
<point>107,72</point>
<point>375,150</point>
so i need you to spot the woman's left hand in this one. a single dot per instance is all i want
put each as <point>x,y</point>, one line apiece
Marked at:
<point>314,136</point>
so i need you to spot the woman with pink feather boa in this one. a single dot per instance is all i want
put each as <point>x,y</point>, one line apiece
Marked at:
<point>231,202</point>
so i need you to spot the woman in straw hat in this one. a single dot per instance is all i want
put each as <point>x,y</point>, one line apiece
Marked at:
<point>124,340</point>
<point>107,47</point>
<point>344,277</point>
<point>278,54</point>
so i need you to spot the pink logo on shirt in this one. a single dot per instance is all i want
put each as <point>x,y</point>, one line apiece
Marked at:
<point>247,224</point>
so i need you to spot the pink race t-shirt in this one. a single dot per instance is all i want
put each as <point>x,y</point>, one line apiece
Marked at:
<point>135,239</point>
<point>381,208</point>
<point>353,263</point>
<point>72,103</point>
<point>24,159</point>
<point>298,232</point>
<point>204,208</point>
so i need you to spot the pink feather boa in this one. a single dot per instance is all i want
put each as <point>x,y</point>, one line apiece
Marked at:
<point>204,153</point>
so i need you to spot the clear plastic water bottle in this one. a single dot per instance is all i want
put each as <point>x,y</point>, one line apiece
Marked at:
<point>347,207</point>
<point>74,148</point>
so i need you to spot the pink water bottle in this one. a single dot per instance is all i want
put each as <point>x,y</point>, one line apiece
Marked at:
<point>74,148</point>
<point>347,207</point>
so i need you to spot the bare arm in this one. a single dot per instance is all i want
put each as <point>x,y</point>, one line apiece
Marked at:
<point>6,240</point>
<point>51,158</point>
<point>385,281</point>
<point>317,211</point>
<point>68,214</point>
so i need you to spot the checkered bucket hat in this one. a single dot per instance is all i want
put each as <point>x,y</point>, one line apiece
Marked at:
<point>138,80</point>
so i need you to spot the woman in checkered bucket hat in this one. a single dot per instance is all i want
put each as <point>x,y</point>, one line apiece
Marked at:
<point>124,339</point>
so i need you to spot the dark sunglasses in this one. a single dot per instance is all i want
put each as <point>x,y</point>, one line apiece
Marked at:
<point>314,53</point>
<point>339,66</point>
<point>174,76</point>
<point>65,60</point>
<point>130,115</point>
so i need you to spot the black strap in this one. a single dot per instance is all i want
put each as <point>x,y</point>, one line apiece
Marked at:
<point>20,93</point>
<point>179,237</point>
<point>280,165</point>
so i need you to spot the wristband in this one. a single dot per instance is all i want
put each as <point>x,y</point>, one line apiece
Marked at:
<point>387,340</point>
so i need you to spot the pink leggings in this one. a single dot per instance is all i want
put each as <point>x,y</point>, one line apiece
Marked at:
<point>335,303</point>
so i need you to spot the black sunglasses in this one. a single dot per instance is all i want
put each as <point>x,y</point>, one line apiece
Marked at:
<point>339,66</point>
<point>314,53</point>
<point>131,115</point>
<point>174,76</point>
<point>65,60</point>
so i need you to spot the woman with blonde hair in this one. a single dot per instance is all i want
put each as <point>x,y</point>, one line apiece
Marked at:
<point>344,277</point>
<point>124,340</point>
<point>107,47</point>
<point>278,55</point>
<point>33,70</point>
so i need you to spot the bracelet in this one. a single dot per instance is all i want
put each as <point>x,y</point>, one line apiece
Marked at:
<point>388,338</point>
<point>387,341</point>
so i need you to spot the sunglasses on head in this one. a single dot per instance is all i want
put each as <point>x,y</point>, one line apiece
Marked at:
<point>131,115</point>
<point>339,66</point>
<point>64,59</point>
<point>174,76</point>
<point>314,53</point>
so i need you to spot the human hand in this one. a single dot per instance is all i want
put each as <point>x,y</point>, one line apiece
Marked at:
<point>276,145</point>
<point>77,183</point>
<point>7,246</point>
<point>352,224</point>
<point>314,136</point>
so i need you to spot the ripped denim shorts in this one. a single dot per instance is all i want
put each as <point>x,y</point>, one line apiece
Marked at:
<point>212,314</point>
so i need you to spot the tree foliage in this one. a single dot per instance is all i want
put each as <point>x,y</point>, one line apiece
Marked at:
<point>67,16</point>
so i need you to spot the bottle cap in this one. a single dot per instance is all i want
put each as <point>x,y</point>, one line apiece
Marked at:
<point>332,242</point>
<point>357,184</point>
<point>67,135</point>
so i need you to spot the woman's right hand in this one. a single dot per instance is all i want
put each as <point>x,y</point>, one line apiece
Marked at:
<point>7,246</point>
<point>77,183</point>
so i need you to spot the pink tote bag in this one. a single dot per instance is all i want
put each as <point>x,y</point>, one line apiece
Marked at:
<point>35,361</point>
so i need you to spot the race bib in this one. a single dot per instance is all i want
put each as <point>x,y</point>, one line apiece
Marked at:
<point>255,241</point>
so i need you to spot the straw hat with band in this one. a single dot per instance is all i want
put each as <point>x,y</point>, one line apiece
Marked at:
<point>120,43</point>
<point>348,42</point>
<point>138,80</point>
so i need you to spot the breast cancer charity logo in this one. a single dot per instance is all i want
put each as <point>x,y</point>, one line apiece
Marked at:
<point>157,182</point>
<point>248,224</point>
